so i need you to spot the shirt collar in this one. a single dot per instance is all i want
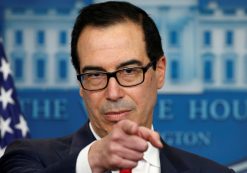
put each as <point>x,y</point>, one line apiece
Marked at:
<point>151,155</point>
<point>94,133</point>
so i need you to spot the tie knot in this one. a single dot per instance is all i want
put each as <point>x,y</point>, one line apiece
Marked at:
<point>125,171</point>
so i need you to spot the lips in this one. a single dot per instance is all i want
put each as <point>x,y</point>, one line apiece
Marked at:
<point>116,115</point>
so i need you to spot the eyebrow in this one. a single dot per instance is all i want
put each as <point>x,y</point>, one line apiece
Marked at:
<point>123,64</point>
<point>92,68</point>
<point>130,62</point>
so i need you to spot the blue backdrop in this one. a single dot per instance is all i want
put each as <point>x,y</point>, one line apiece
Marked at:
<point>203,106</point>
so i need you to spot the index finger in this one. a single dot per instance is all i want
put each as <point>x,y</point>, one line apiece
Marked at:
<point>151,136</point>
<point>129,127</point>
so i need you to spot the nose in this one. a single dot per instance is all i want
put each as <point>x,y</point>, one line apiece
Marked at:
<point>114,91</point>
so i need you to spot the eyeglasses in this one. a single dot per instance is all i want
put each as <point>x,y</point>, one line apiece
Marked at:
<point>126,77</point>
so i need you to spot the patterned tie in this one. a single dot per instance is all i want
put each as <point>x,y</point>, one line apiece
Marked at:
<point>125,171</point>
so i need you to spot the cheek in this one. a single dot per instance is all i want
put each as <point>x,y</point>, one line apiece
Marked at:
<point>150,93</point>
<point>145,96</point>
<point>92,103</point>
<point>145,99</point>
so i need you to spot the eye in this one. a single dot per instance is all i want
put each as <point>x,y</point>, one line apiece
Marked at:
<point>94,75</point>
<point>130,71</point>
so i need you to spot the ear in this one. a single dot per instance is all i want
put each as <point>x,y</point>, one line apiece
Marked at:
<point>160,71</point>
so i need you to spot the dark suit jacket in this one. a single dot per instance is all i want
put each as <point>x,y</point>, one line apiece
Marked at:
<point>59,156</point>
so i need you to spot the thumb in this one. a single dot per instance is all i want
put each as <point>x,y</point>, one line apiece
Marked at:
<point>151,136</point>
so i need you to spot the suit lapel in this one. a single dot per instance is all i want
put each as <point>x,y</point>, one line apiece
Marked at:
<point>81,138</point>
<point>170,163</point>
<point>166,166</point>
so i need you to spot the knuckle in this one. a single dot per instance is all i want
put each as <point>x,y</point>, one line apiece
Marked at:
<point>145,146</point>
<point>138,157</point>
<point>115,135</point>
<point>141,156</point>
<point>111,147</point>
<point>135,164</point>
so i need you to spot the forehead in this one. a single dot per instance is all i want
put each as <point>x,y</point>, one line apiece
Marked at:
<point>111,45</point>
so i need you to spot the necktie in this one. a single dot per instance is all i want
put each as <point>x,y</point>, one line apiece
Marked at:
<point>125,171</point>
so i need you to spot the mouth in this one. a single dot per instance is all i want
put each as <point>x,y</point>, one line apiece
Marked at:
<point>115,116</point>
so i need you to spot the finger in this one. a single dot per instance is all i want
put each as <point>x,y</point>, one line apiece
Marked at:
<point>134,142</point>
<point>121,163</point>
<point>129,127</point>
<point>151,136</point>
<point>129,154</point>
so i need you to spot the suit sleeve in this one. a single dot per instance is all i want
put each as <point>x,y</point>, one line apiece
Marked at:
<point>22,157</point>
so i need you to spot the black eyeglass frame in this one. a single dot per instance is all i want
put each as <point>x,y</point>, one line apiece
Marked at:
<point>114,75</point>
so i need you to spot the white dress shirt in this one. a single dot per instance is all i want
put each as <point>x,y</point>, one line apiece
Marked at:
<point>149,164</point>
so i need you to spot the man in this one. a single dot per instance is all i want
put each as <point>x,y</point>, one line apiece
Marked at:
<point>117,53</point>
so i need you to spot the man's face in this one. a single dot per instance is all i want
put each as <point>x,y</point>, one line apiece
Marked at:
<point>108,49</point>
